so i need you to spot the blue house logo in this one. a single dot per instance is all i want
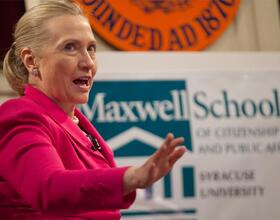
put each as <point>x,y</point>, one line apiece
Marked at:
<point>135,116</point>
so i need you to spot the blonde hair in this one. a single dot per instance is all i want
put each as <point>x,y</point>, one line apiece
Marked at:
<point>30,31</point>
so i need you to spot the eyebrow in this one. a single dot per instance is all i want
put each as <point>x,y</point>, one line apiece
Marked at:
<point>76,41</point>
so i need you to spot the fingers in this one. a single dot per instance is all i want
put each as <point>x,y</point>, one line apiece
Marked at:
<point>167,147</point>
<point>176,154</point>
<point>174,143</point>
<point>169,137</point>
<point>157,155</point>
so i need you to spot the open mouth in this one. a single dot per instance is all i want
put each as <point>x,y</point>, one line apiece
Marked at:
<point>82,81</point>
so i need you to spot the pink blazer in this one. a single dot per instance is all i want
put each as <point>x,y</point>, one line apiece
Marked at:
<point>47,167</point>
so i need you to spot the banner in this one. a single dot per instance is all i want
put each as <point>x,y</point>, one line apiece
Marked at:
<point>227,111</point>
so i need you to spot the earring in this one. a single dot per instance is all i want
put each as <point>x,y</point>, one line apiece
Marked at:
<point>35,72</point>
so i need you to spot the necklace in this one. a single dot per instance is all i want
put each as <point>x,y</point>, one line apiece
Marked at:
<point>75,120</point>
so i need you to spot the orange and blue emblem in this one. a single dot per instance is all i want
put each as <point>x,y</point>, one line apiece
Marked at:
<point>164,25</point>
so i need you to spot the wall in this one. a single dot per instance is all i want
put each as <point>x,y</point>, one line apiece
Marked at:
<point>256,28</point>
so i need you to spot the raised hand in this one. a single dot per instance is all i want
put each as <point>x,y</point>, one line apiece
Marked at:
<point>157,165</point>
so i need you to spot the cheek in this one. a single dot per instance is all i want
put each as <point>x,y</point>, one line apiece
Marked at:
<point>95,67</point>
<point>55,68</point>
<point>64,68</point>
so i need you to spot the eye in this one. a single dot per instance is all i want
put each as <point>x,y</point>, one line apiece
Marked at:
<point>69,47</point>
<point>92,48</point>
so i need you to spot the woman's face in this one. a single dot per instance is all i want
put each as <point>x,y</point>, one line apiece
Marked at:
<point>67,62</point>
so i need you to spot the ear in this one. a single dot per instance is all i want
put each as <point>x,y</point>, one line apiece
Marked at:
<point>28,59</point>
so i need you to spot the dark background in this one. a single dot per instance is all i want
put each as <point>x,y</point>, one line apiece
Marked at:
<point>10,12</point>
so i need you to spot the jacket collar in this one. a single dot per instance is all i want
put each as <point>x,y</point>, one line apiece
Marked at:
<point>63,120</point>
<point>90,129</point>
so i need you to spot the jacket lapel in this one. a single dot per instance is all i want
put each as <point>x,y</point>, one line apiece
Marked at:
<point>88,127</point>
<point>62,119</point>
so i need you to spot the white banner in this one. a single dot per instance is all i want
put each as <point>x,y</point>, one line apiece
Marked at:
<point>227,106</point>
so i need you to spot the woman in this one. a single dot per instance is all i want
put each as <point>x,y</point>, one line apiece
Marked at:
<point>53,163</point>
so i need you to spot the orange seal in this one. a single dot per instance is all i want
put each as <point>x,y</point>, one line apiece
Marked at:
<point>160,24</point>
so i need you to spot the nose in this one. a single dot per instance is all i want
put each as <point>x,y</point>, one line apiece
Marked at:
<point>87,61</point>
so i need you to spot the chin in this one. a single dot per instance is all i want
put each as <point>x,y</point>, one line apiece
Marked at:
<point>82,100</point>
